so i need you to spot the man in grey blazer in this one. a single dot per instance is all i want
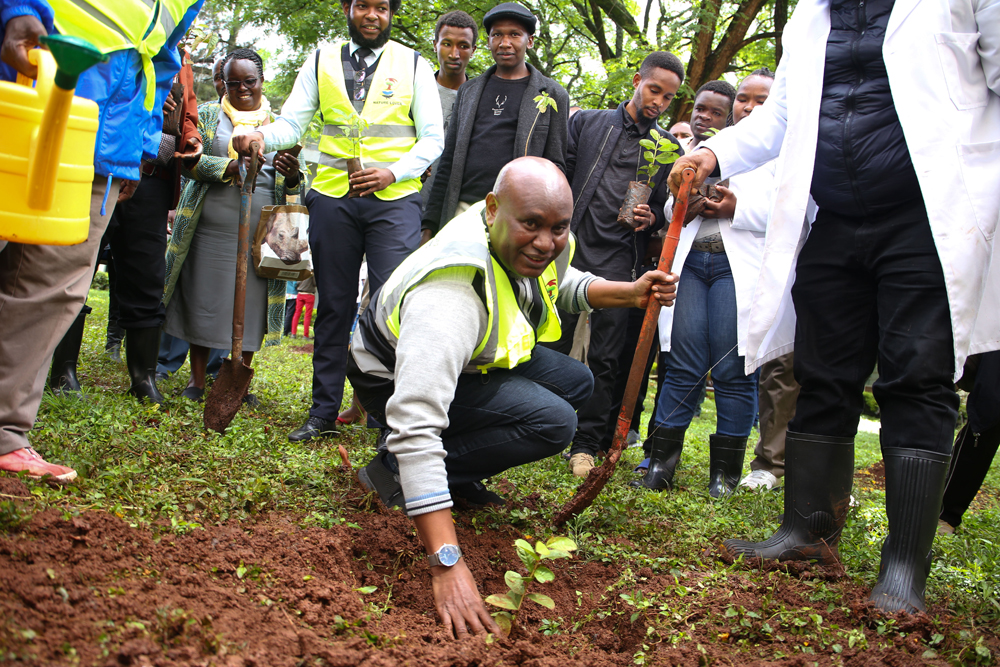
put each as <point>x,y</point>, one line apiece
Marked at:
<point>493,117</point>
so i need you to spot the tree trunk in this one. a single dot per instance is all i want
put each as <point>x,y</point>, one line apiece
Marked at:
<point>780,19</point>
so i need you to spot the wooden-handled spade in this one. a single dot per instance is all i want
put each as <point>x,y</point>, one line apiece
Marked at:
<point>231,386</point>
<point>598,477</point>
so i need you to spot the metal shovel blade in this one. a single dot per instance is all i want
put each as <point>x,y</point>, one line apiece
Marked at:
<point>227,393</point>
<point>226,396</point>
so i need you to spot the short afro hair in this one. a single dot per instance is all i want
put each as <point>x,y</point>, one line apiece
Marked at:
<point>720,87</point>
<point>663,60</point>
<point>760,71</point>
<point>394,5</point>
<point>457,19</point>
<point>243,54</point>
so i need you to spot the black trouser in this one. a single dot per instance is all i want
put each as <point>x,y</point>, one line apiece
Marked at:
<point>343,230</point>
<point>977,442</point>
<point>500,419</point>
<point>633,329</point>
<point>289,312</point>
<point>607,338</point>
<point>870,290</point>
<point>138,236</point>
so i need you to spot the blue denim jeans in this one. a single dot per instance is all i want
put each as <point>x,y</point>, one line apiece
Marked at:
<point>501,419</point>
<point>704,334</point>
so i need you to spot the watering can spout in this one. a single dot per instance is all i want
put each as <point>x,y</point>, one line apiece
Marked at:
<point>58,71</point>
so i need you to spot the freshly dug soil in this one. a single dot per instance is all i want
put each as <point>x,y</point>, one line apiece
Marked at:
<point>91,590</point>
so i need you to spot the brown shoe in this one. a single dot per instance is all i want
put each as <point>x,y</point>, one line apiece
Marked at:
<point>37,467</point>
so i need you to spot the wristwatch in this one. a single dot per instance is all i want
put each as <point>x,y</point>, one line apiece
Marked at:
<point>446,556</point>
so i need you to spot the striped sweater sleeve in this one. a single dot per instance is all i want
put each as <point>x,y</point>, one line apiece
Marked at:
<point>573,291</point>
<point>441,321</point>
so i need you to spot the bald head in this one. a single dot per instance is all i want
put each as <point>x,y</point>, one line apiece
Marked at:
<point>528,214</point>
<point>534,176</point>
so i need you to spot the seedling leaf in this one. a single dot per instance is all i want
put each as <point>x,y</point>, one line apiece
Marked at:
<point>543,600</point>
<point>502,601</point>
<point>514,581</point>
<point>544,574</point>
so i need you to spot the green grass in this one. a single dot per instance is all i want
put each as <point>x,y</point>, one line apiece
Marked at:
<point>160,468</point>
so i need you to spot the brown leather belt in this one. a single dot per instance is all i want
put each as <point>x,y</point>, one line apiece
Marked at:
<point>710,246</point>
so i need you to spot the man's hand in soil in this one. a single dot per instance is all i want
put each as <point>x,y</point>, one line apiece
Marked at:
<point>721,209</point>
<point>20,36</point>
<point>643,216</point>
<point>369,181</point>
<point>703,162</point>
<point>456,595</point>
<point>241,144</point>
<point>458,602</point>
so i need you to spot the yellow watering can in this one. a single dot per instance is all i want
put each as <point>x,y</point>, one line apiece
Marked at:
<point>47,154</point>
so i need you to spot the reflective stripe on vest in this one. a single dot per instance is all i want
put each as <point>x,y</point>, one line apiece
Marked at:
<point>391,132</point>
<point>509,337</point>
<point>114,25</point>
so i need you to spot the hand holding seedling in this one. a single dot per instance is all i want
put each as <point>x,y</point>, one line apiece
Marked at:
<point>369,181</point>
<point>459,603</point>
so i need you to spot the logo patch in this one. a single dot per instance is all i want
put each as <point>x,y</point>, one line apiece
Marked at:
<point>389,83</point>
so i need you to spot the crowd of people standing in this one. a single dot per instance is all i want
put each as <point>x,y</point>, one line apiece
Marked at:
<point>827,220</point>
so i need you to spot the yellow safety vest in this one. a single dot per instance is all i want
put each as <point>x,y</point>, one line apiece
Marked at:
<point>113,25</point>
<point>390,134</point>
<point>509,336</point>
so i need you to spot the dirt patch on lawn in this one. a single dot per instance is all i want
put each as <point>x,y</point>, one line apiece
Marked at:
<point>303,349</point>
<point>871,477</point>
<point>91,590</point>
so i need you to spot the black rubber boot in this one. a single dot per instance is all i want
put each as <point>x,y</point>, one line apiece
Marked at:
<point>819,471</point>
<point>62,379</point>
<point>914,484</point>
<point>666,445</point>
<point>142,347</point>
<point>113,342</point>
<point>726,456</point>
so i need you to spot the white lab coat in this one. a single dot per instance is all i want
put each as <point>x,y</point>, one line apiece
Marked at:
<point>943,62</point>
<point>743,236</point>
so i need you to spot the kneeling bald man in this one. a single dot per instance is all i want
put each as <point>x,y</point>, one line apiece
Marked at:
<point>445,355</point>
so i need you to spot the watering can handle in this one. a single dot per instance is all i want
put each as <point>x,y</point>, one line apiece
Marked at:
<point>56,83</point>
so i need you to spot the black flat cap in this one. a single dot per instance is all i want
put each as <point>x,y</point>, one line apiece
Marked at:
<point>511,10</point>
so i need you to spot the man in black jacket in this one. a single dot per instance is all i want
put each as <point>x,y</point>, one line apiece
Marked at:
<point>603,156</point>
<point>493,117</point>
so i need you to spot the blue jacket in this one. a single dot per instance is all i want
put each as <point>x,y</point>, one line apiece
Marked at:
<point>127,133</point>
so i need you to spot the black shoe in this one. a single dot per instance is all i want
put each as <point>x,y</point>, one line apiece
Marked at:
<point>192,393</point>
<point>314,427</point>
<point>160,377</point>
<point>726,463</point>
<point>666,445</point>
<point>63,380</point>
<point>914,484</point>
<point>377,477</point>
<point>819,471</point>
<point>475,494</point>
<point>142,348</point>
<point>251,401</point>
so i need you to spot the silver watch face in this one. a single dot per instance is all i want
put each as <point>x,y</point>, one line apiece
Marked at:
<point>448,554</point>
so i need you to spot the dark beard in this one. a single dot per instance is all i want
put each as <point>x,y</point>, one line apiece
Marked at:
<point>362,41</point>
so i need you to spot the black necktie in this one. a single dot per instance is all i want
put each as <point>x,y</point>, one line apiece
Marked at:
<point>359,58</point>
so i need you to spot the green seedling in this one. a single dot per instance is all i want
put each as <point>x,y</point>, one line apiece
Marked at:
<point>532,557</point>
<point>542,102</point>
<point>353,127</point>
<point>659,151</point>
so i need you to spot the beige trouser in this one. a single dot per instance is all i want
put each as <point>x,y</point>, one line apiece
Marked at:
<point>778,393</point>
<point>42,288</point>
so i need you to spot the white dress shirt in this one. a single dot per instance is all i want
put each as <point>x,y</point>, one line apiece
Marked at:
<point>303,102</point>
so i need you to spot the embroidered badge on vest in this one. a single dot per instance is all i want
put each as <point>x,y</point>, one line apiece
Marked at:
<point>389,83</point>
<point>552,287</point>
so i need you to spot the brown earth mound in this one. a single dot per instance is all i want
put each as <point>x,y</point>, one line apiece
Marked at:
<point>91,590</point>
